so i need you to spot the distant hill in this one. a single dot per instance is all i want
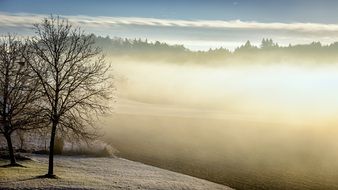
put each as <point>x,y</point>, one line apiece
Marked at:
<point>267,52</point>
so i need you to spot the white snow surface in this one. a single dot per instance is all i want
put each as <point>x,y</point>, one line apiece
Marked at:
<point>99,173</point>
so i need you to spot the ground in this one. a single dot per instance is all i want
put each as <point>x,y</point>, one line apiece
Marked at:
<point>98,173</point>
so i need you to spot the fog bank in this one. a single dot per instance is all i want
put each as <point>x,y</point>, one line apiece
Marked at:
<point>244,126</point>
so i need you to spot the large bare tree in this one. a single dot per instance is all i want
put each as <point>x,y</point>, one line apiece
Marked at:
<point>75,80</point>
<point>18,92</point>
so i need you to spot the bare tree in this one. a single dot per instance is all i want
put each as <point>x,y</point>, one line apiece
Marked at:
<point>18,92</point>
<point>74,77</point>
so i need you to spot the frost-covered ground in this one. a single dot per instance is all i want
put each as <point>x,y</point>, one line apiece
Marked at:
<point>97,173</point>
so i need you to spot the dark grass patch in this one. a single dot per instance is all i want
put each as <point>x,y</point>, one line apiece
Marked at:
<point>47,176</point>
<point>18,157</point>
<point>105,152</point>
<point>13,165</point>
<point>41,152</point>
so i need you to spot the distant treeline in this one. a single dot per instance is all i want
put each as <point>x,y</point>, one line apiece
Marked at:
<point>267,52</point>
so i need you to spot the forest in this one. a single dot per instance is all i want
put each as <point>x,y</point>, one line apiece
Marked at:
<point>268,52</point>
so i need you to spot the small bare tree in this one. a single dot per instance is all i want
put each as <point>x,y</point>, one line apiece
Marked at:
<point>18,92</point>
<point>74,77</point>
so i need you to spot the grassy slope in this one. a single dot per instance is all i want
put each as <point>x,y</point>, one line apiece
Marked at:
<point>97,173</point>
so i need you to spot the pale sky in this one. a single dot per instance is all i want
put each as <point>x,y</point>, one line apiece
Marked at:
<point>199,25</point>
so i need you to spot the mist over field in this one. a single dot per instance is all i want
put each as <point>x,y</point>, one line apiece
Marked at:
<point>244,125</point>
<point>233,94</point>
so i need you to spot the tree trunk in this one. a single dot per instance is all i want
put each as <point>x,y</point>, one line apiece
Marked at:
<point>51,151</point>
<point>10,149</point>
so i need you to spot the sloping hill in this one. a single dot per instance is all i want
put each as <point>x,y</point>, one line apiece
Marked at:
<point>98,173</point>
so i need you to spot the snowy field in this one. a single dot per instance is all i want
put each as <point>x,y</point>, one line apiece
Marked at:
<point>97,173</point>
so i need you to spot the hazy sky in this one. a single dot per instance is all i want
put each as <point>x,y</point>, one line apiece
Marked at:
<point>196,24</point>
